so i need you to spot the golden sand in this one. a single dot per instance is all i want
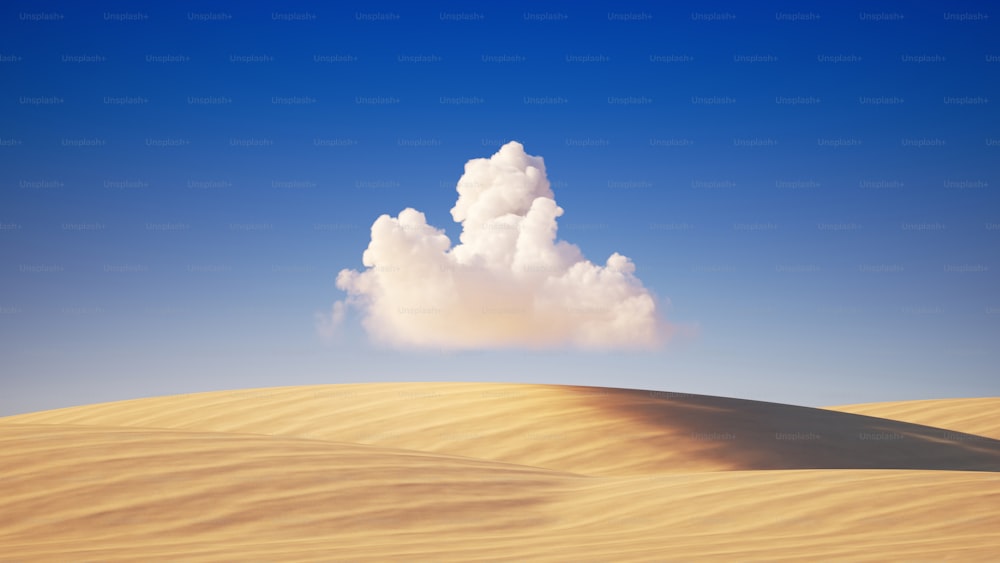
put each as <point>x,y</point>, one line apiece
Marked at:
<point>975,416</point>
<point>493,472</point>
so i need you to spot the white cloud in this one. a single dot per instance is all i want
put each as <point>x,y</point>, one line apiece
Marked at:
<point>508,283</point>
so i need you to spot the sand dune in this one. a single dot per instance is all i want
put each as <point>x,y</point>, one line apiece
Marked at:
<point>588,430</point>
<point>458,472</point>
<point>976,416</point>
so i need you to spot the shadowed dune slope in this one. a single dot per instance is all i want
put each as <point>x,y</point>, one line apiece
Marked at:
<point>976,416</point>
<point>584,430</point>
<point>90,493</point>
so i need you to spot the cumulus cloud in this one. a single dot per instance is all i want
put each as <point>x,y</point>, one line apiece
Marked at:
<point>509,282</point>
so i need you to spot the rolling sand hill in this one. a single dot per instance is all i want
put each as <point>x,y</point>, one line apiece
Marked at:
<point>975,416</point>
<point>493,472</point>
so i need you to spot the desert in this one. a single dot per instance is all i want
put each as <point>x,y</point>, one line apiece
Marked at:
<point>498,472</point>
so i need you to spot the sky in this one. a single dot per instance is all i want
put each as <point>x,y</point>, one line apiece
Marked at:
<point>806,194</point>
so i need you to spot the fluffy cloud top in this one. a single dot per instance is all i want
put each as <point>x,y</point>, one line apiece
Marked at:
<point>508,283</point>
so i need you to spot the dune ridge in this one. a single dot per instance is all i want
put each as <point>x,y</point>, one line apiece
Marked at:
<point>974,416</point>
<point>491,472</point>
<point>589,430</point>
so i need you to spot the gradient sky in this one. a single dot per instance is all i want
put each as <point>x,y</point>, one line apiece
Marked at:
<point>810,191</point>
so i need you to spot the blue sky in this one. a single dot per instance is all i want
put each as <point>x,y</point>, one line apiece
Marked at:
<point>810,190</point>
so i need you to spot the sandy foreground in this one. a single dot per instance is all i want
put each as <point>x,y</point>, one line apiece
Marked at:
<point>499,472</point>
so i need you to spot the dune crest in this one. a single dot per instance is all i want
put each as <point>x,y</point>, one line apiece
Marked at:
<point>586,430</point>
<point>975,416</point>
